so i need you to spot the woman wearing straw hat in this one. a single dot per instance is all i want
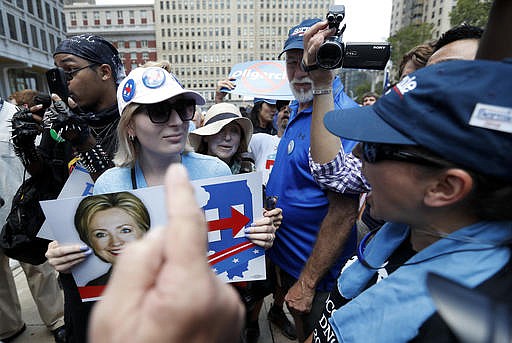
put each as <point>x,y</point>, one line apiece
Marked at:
<point>224,134</point>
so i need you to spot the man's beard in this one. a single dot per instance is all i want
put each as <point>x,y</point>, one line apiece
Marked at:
<point>300,95</point>
<point>284,124</point>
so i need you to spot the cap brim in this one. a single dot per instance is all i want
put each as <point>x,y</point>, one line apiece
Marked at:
<point>363,124</point>
<point>292,46</point>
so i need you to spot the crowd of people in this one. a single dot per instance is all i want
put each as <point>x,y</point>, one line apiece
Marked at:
<point>369,198</point>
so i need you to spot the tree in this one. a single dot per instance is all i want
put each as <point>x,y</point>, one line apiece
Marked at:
<point>472,12</point>
<point>407,38</point>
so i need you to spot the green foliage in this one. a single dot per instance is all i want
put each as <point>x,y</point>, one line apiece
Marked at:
<point>364,88</point>
<point>407,38</point>
<point>473,12</point>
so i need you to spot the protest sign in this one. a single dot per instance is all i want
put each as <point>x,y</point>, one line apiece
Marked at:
<point>261,79</point>
<point>230,203</point>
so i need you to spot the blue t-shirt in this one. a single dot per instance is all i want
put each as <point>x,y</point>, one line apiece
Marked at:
<point>304,204</point>
<point>198,167</point>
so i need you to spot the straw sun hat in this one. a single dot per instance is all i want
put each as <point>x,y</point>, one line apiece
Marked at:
<point>218,116</point>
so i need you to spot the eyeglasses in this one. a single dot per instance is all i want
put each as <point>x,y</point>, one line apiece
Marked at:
<point>71,74</point>
<point>375,152</point>
<point>160,113</point>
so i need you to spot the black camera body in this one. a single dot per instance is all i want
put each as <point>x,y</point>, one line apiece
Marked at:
<point>333,53</point>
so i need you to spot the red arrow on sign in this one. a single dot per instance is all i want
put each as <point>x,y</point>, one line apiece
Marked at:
<point>237,222</point>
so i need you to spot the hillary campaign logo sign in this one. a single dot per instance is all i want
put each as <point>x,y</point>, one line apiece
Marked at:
<point>230,204</point>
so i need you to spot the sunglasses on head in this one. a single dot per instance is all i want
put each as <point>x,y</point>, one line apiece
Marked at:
<point>160,113</point>
<point>375,152</point>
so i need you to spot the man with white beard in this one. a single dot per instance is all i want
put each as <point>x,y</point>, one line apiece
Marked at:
<point>317,234</point>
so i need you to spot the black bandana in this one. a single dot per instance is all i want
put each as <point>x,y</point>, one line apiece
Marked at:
<point>95,49</point>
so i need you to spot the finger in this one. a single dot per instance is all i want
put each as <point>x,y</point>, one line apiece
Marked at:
<point>136,268</point>
<point>35,108</point>
<point>186,233</point>
<point>66,267</point>
<point>72,103</point>
<point>56,250</point>
<point>265,240</point>
<point>55,97</point>
<point>260,229</point>
<point>313,30</point>
<point>56,260</point>
<point>273,212</point>
<point>262,221</point>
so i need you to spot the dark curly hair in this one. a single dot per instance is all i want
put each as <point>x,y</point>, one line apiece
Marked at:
<point>463,31</point>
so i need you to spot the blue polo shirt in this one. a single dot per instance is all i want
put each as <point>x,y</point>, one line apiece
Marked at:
<point>304,204</point>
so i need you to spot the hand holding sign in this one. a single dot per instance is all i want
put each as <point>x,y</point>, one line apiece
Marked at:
<point>166,274</point>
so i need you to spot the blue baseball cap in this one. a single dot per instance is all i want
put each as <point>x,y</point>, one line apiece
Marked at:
<point>296,35</point>
<point>268,101</point>
<point>459,110</point>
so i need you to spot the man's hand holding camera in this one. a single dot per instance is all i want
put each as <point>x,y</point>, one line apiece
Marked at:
<point>313,39</point>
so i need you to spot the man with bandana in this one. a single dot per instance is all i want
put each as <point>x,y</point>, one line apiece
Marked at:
<point>83,129</point>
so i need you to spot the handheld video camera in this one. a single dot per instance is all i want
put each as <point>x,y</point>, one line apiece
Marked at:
<point>333,53</point>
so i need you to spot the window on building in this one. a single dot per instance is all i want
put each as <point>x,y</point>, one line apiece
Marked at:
<point>133,55</point>
<point>39,5</point>
<point>133,44</point>
<point>11,22</point>
<point>35,39</point>
<point>44,43</point>
<point>19,3</point>
<point>52,42</point>
<point>23,30</point>
<point>48,14</point>
<point>56,18</point>
<point>145,56</point>
<point>30,6</point>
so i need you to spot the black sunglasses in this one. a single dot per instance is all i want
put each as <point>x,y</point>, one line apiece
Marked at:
<point>71,74</point>
<point>375,152</point>
<point>160,113</point>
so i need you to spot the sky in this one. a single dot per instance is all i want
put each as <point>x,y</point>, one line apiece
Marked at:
<point>367,20</point>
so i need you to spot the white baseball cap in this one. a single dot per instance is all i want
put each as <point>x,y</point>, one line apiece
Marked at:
<point>151,85</point>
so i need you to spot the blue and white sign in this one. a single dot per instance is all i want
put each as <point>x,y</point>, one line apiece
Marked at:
<point>230,203</point>
<point>261,79</point>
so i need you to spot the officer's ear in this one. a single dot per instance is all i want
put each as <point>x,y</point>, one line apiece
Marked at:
<point>448,187</point>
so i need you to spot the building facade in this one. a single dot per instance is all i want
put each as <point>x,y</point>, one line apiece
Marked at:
<point>203,39</point>
<point>29,32</point>
<point>129,27</point>
<point>408,12</point>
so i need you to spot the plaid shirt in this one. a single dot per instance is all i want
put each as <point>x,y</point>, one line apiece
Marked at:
<point>342,174</point>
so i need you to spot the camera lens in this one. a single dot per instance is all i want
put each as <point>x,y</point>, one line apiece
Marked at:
<point>330,55</point>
